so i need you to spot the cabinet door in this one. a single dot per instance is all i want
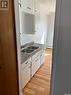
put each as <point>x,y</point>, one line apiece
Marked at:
<point>42,57</point>
<point>24,4</point>
<point>37,7</point>
<point>28,6</point>
<point>31,5</point>
<point>35,65</point>
<point>37,16</point>
<point>19,1</point>
<point>25,76</point>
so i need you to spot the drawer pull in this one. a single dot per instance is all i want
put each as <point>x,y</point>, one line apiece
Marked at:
<point>28,8</point>
<point>29,66</point>
<point>19,4</point>
<point>26,63</point>
<point>36,60</point>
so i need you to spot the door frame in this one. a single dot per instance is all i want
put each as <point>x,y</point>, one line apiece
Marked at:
<point>17,26</point>
<point>55,45</point>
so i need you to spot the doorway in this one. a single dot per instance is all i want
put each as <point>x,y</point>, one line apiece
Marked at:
<point>39,84</point>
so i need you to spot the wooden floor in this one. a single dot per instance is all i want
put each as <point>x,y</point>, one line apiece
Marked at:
<point>40,83</point>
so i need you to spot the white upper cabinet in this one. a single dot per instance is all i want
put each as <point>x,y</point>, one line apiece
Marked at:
<point>27,6</point>
<point>19,1</point>
<point>37,7</point>
<point>37,16</point>
<point>30,6</point>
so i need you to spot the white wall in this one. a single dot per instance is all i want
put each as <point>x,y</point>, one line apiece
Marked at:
<point>26,38</point>
<point>50,33</point>
<point>42,29</point>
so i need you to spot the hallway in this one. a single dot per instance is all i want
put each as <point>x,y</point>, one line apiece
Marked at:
<point>40,83</point>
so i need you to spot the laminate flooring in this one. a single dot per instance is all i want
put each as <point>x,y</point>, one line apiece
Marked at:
<point>40,83</point>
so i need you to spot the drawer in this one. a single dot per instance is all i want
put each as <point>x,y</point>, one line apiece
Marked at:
<point>35,56</point>
<point>26,63</point>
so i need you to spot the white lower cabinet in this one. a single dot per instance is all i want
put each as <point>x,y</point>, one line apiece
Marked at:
<point>26,73</point>
<point>31,66</point>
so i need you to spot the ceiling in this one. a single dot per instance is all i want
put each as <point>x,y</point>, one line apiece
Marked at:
<point>48,5</point>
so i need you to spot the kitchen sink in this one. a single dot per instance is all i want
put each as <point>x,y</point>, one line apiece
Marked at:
<point>29,49</point>
<point>33,47</point>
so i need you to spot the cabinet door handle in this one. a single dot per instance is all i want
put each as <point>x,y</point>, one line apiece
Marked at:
<point>26,63</point>
<point>28,8</point>
<point>36,60</point>
<point>19,4</point>
<point>29,66</point>
<point>41,54</point>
